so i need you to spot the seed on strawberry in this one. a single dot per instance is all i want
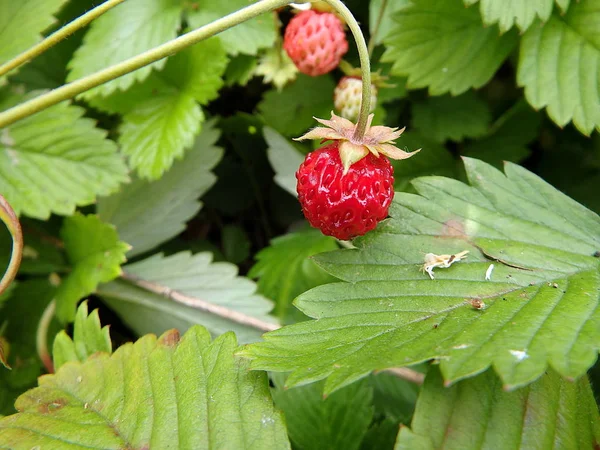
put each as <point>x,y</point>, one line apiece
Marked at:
<point>315,41</point>
<point>347,97</point>
<point>344,205</point>
<point>346,187</point>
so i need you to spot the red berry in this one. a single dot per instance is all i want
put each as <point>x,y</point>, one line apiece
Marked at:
<point>315,41</point>
<point>344,206</point>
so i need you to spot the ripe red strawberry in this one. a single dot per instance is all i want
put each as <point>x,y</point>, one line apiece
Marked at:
<point>347,97</point>
<point>346,187</point>
<point>315,41</point>
<point>344,206</point>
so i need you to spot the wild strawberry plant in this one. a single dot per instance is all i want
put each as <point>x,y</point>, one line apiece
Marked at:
<point>164,287</point>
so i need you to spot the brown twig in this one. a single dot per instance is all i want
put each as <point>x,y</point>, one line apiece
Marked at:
<point>200,304</point>
<point>407,374</point>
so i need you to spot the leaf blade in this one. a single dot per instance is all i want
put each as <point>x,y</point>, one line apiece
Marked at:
<point>123,32</point>
<point>558,67</point>
<point>390,314</point>
<point>183,376</point>
<point>89,337</point>
<point>23,23</point>
<point>464,416</point>
<point>437,56</point>
<point>521,13</point>
<point>35,152</point>
<point>247,38</point>
<point>147,214</point>
<point>95,252</point>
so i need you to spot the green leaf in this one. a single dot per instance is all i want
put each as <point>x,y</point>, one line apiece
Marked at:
<point>284,159</point>
<point>443,46</point>
<point>382,435</point>
<point>433,159</point>
<point>247,37</point>
<point>559,67</point>
<point>195,276</point>
<point>236,244</point>
<point>393,397</point>
<point>158,131</point>
<point>89,337</point>
<point>507,14</point>
<point>123,32</point>
<point>22,24</point>
<point>454,118</point>
<point>19,320</point>
<point>291,110</point>
<point>387,23</point>
<point>240,70</point>
<point>475,414</point>
<point>508,137</point>
<point>541,304</point>
<point>96,254</point>
<point>147,214</point>
<point>276,67</point>
<point>563,5</point>
<point>36,152</point>
<point>161,116</point>
<point>285,270</point>
<point>156,393</point>
<point>338,422</point>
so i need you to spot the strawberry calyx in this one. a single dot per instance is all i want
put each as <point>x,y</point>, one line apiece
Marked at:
<point>378,140</point>
<point>377,79</point>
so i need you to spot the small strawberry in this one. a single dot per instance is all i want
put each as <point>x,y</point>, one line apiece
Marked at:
<point>344,206</point>
<point>347,97</point>
<point>345,188</point>
<point>315,41</point>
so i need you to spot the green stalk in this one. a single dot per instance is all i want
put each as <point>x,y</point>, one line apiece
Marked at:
<point>76,87</point>
<point>10,219</point>
<point>162,51</point>
<point>41,336</point>
<point>58,36</point>
<point>365,66</point>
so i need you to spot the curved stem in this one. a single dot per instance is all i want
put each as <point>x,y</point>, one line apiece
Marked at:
<point>58,36</point>
<point>162,51</point>
<point>373,38</point>
<point>41,337</point>
<point>365,65</point>
<point>75,88</point>
<point>10,219</point>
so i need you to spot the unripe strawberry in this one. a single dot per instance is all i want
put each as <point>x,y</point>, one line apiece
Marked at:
<point>344,205</point>
<point>315,41</point>
<point>346,187</point>
<point>347,97</point>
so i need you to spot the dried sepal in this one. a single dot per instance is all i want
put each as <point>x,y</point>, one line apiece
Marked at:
<point>351,153</point>
<point>379,140</point>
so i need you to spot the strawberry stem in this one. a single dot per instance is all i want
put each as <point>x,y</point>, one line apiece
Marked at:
<point>93,80</point>
<point>41,338</point>
<point>58,36</point>
<point>86,83</point>
<point>8,216</point>
<point>365,65</point>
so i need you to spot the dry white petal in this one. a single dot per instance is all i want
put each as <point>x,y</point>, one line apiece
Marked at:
<point>488,272</point>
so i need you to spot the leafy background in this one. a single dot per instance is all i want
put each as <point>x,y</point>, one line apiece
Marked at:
<point>178,179</point>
